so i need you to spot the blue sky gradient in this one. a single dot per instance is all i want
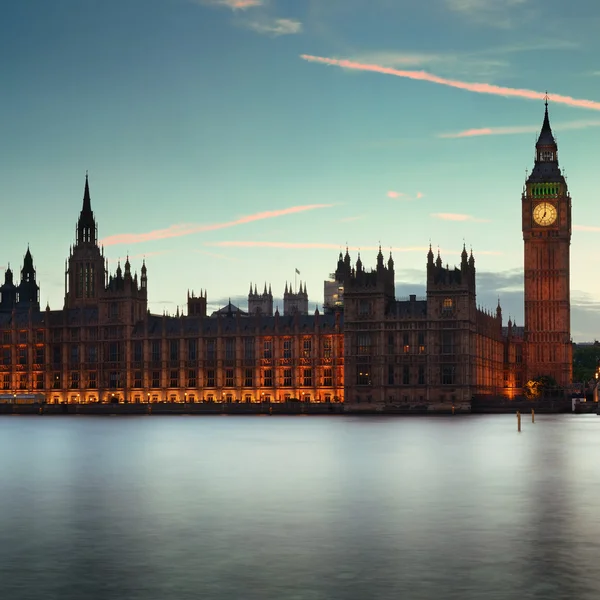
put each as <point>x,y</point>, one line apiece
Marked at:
<point>196,113</point>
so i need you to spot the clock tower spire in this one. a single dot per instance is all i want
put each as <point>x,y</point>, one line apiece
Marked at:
<point>546,224</point>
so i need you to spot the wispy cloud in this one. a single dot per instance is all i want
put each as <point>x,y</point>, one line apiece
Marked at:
<point>235,4</point>
<point>189,228</point>
<point>457,217</point>
<point>401,195</point>
<point>479,88</point>
<point>276,27</point>
<point>393,194</point>
<point>484,62</point>
<point>519,129</point>
<point>350,219</point>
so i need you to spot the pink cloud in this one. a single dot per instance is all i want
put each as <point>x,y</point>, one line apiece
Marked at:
<point>239,4</point>
<point>189,228</point>
<point>393,194</point>
<point>420,195</point>
<point>520,129</point>
<point>457,217</point>
<point>479,88</point>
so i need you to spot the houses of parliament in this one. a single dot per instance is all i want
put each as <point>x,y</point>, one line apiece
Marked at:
<point>368,346</point>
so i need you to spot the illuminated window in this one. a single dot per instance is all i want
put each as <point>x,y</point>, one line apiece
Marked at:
<point>287,378</point>
<point>307,377</point>
<point>6,381</point>
<point>268,378</point>
<point>421,343</point>
<point>327,347</point>
<point>306,347</point>
<point>267,349</point>
<point>39,381</point>
<point>363,375</point>
<point>327,377</point>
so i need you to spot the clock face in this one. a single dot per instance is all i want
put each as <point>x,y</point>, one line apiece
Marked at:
<point>544,214</point>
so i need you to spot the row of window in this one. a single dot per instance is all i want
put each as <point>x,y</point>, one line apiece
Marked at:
<point>116,379</point>
<point>115,351</point>
<point>363,375</point>
<point>22,337</point>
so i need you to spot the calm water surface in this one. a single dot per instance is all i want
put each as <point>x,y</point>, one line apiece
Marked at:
<point>299,508</point>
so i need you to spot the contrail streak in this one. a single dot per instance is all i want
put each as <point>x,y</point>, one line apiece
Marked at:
<point>479,88</point>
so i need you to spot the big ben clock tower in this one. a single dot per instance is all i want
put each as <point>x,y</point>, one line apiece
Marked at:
<point>546,211</point>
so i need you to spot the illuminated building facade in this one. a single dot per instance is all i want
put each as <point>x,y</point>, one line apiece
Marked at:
<point>367,347</point>
<point>106,346</point>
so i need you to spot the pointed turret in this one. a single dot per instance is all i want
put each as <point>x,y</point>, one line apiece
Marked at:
<point>430,256</point>
<point>438,260</point>
<point>86,225</point>
<point>546,137</point>
<point>144,276</point>
<point>546,169</point>
<point>380,265</point>
<point>28,289</point>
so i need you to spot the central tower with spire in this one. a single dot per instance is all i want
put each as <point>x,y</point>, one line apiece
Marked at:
<point>85,272</point>
<point>546,224</point>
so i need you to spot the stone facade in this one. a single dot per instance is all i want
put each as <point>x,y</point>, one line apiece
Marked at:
<point>546,210</point>
<point>441,348</point>
<point>368,347</point>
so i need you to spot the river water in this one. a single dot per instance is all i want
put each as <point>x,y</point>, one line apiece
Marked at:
<point>292,508</point>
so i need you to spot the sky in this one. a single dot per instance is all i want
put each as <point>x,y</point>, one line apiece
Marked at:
<point>235,141</point>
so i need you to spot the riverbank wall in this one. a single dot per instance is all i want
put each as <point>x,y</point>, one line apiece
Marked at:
<point>477,406</point>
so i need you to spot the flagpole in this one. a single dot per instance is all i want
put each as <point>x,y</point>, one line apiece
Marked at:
<point>295,277</point>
